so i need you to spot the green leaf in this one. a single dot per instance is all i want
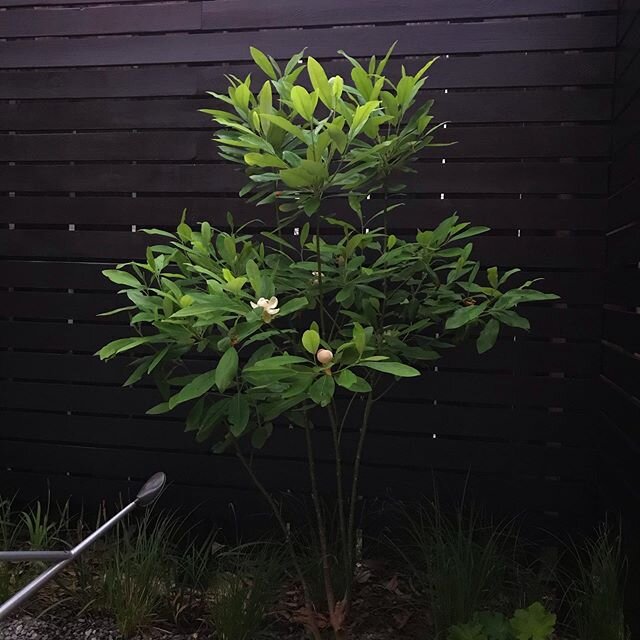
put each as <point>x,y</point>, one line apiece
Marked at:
<point>226,369</point>
<point>275,362</point>
<point>533,623</point>
<point>122,277</point>
<point>194,417</point>
<point>238,414</point>
<point>495,625</point>
<point>304,102</point>
<point>311,341</point>
<point>263,62</point>
<point>125,344</point>
<point>320,82</point>
<point>163,407</point>
<point>322,390</point>
<point>349,380</point>
<point>394,368</point>
<point>468,631</point>
<point>260,436</point>
<point>194,389</point>
<point>360,117</point>
<point>253,273</point>
<point>512,319</point>
<point>359,338</point>
<point>212,418</point>
<point>492,276</point>
<point>137,373</point>
<point>283,123</point>
<point>465,315</point>
<point>338,136</point>
<point>488,336</point>
<point>297,178</point>
<point>291,306</point>
<point>264,160</point>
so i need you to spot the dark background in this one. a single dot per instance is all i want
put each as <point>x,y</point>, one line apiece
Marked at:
<point>100,136</point>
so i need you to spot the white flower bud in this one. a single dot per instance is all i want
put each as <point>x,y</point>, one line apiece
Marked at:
<point>324,356</point>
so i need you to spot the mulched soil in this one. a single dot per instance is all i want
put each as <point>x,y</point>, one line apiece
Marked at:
<point>386,607</point>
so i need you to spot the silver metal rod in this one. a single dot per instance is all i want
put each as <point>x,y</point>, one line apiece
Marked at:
<point>24,593</point>
<point>30,556</point>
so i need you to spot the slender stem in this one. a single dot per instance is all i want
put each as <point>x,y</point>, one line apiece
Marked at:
<point>345,415</point>
<point>331,409</point>
<point>354,491</point>
<point>322,531</point>
<point>319,263</point>
<point>313,627</point>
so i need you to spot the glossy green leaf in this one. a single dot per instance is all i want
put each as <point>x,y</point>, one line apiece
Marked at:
<point>263,62</point>
<point>304,102</point>
<point>322,390</point>
<point>194,389</point>
<point>260,436</point>
<point>349,380</point>
<point>122,277</point>
<point>291,306</point>
<point>465,315</point>
<point>226,369</point>
<point>239,412</point>
<point>320,82</point>
<point>488,336</point>
<point>393,368</point>
<point>311,341</point>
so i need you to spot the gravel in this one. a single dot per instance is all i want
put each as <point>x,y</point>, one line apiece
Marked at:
<point>84,628</point>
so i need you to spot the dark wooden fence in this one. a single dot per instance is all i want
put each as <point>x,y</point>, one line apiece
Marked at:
<point>101,136</point>
<point>621,345</point>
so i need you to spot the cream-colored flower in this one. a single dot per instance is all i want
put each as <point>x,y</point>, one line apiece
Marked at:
<point>269,307</point>
<point>324,356</point>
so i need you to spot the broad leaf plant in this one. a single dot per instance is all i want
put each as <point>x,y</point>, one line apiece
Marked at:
<point>255,332</point>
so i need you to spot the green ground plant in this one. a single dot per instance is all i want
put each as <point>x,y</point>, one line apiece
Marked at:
<point>136,570</point>
<point>256,332</point>
<point>461,560</point>
<point>9,530</point>
<point>595,586</point>
<point>532,623</point>
<point>245,590</point>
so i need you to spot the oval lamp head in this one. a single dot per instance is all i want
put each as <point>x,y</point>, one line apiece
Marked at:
<point>151,489</point>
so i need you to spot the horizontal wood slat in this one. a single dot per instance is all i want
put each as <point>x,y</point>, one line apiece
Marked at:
<point>528,251</point>
<point>472,142</point>
<point>133,18</point>
<point>511,69</point>
<point>535,105</point>
<point>578,214</point>
<point>518,35</point>
<point>456,177</point>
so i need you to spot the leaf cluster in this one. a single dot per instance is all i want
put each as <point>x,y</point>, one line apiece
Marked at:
<point>532,623</point>
<point>344,138</point>
<point>382,305</point>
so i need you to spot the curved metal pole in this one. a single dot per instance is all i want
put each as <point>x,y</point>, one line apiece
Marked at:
<point>149,492</point>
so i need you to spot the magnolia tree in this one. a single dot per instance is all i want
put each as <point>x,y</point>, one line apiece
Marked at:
<point>315,328</point>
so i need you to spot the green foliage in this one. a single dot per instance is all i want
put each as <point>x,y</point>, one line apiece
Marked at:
<point>385,306</point>
<point>384,310</point>
<point>136,571</point>
<point>8,537</point>
<point>342,138</point>
<point>460,561</point>
<point>244,591</point>
<point>532,623</point>
<point>595,586</point>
